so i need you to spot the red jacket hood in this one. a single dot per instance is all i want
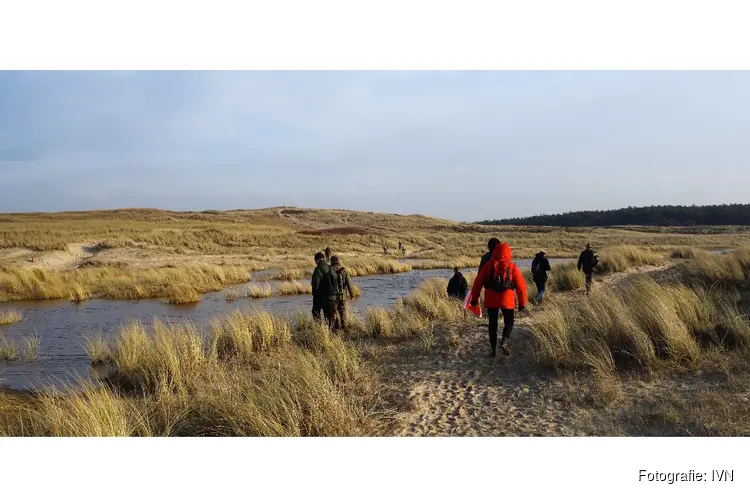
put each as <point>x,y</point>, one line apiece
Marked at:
<point>502,253</point>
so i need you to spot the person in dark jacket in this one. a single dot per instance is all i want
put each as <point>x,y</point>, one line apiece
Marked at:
<point>587,261</point>
<point>486,257</point>
<point>343,285</point>
<point>457,286</point>
<point>323,289</point>
<point>539,268</point>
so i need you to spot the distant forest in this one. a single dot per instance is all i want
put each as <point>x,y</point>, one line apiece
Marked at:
<point>662,215</point>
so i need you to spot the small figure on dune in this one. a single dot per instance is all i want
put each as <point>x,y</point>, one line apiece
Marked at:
<point>385,249</point>
<point>403,251</point>
<point>328,254</point>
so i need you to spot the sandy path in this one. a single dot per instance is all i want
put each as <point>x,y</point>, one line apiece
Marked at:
<point>459,392</point>
<point>455,390</point>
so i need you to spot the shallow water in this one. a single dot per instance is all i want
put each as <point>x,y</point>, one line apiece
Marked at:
<point>62,326</point>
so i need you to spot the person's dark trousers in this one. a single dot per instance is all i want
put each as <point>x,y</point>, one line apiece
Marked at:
<point>588,281</point>
<point>540,286</point>
<point>493,314</point>
<point>340,313</point>
<point>325,305</point>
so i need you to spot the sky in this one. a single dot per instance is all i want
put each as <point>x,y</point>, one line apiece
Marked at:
<point>465,145</point>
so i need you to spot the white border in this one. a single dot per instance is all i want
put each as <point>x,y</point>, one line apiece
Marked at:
<point>388,34</point>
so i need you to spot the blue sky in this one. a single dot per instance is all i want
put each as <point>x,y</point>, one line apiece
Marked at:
<point>460,145</point>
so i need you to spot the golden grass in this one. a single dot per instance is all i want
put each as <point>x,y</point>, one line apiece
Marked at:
<point>174,284</point>
<point>725,270</point>
<point>293,288</point>
<point>636,325</point>
<point>240,335</point>
<point>260,291</point>
<point>78,293</point>
<point>97,349</point>
<point>291,274</point>
<point>8,349</point>
<point>688,252</point>
<point>462,261</point>
<point>31,347</point>
<point>375,265</point>
<point>181,293</point>
<point>9,317</point>
<point>621,258</point>
<point>252,377</point>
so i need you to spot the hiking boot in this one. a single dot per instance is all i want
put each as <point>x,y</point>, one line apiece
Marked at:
<point>504,349</point>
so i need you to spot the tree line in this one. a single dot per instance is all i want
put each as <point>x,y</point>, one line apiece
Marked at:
<point>660,215</point>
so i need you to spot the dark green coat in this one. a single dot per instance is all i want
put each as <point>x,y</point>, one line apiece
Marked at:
<point>344,283</point>
<point>317,275</point>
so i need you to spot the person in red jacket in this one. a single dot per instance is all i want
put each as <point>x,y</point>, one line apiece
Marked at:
<point>503,282</point>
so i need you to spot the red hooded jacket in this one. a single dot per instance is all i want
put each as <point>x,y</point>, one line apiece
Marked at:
<point>501,260</point>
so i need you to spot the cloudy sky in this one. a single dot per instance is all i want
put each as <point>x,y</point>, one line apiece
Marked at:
<point>460,145</point>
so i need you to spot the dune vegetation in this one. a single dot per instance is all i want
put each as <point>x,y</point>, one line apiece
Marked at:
<point>252,374</point>
<point>127,253</point>
<point>175,285</point>
<point>662,307</point>
<point>643,323</point>
<point>9,317</point>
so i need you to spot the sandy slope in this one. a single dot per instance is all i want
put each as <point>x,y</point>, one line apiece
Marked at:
<point>58,260</point>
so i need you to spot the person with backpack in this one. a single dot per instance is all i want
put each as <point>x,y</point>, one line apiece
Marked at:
<point>457,286</point>
<point>587,261</point>
<point>486,257</point>
<point>503,282</point>
<point>539,268</point>
<point>324,288</point>
<point>343,285</point>
<point>328,254</point>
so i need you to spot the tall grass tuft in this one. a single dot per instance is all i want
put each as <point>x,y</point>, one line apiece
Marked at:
<point>9,317</point>
<point>293,288</point>
<point>97,349</point>
<point>688,253</point>
<point>260,292</point>
<point>237,336</point>
<point>31,347</point>
<point>8,349</point>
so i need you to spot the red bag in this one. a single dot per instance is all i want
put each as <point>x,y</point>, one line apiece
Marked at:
<point>475,310</point>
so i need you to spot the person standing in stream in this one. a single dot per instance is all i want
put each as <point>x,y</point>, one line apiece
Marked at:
<point>503,282</point>
<point>324,289</point>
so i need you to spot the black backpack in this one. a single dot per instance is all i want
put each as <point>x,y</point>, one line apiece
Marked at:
<point>328,286</point>
<point>500,283</point>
